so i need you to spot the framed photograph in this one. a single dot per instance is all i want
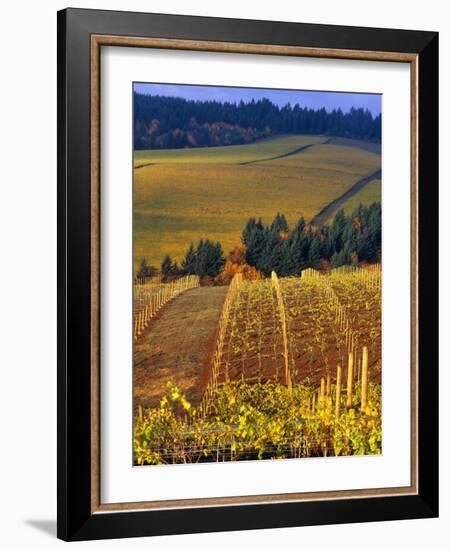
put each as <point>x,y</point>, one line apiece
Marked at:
<point>247,274</point>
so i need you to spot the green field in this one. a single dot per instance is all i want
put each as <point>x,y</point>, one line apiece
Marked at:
<point>330,158</point>
<point>365,145</point>
<point>231,154</point>
<point>369,194</point>
<point>182,195</point>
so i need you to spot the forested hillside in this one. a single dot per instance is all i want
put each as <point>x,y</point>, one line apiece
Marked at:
<point>169,122</point>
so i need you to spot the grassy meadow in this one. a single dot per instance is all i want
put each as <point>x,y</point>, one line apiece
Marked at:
<point>369,194</point>
<point>182,195</point>
<point>230,154</point>
<point>372,147</point>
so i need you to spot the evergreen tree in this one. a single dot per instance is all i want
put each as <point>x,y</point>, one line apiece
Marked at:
<point>272,257</point>
<point>348,252</point>
<point>188,263</point>
<point>327,240</point>
<point>374,223</point>
<point>166,266</point>
<point>334,261</point>
<point>337,259</point>
<point>366,249</point>
<point>299,246</point>
<point>248,230</point>
<point>279,224</point>
<point>176,269</point>
<point>145,270</point>
<point>142,268</point>
<point>219,259</point>
<point>315,251</point>
<point>349,237</point>
<point>337,230</point>
<point>200,258</point>
<point>256,246</point>
<point>288,266</point>
<point>209,258</point>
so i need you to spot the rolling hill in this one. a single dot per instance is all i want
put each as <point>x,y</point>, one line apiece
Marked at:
<point>182,195</point>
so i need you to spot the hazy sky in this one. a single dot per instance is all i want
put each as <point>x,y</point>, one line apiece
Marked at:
<point>315,100</point>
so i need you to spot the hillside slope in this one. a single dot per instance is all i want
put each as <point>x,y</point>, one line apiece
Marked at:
<point>188,194</point>
<point>178,346</point>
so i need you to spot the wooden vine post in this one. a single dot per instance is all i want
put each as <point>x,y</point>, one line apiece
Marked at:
<point>328,398</point>
<point>338,391</point>
<point>350,380</point>
<point>364,378</point>
<point>322,393</point>
<point>276,285</point>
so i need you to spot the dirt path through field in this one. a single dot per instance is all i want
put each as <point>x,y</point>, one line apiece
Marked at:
<point>326,212</point>
<point>178,345</point>
<point>144,165</point>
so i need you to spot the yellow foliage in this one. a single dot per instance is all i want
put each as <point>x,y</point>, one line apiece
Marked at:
<point>236,264</point>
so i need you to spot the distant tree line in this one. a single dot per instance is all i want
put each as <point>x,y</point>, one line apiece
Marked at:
<point>206,260</point>
<point>168,122</point>
<point>349,240</point>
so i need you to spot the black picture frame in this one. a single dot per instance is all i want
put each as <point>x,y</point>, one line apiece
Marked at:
<point>75,518</point>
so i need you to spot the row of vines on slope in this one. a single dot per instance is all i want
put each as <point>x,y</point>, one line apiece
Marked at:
<point>292,329</point>
<point>151,297</point>
<point>293,375</point>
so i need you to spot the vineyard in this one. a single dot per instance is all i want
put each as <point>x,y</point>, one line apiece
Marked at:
<point>150,296</point>
<point>295,372</point>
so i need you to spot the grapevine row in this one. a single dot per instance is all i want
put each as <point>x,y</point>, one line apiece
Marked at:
<point>148,301</point>
<point>218,352</point>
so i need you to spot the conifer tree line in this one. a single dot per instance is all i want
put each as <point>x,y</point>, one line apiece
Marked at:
<point>286,250</point>
<point>170,122</point>
<point>348,240</point>
<point>206,260</point>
